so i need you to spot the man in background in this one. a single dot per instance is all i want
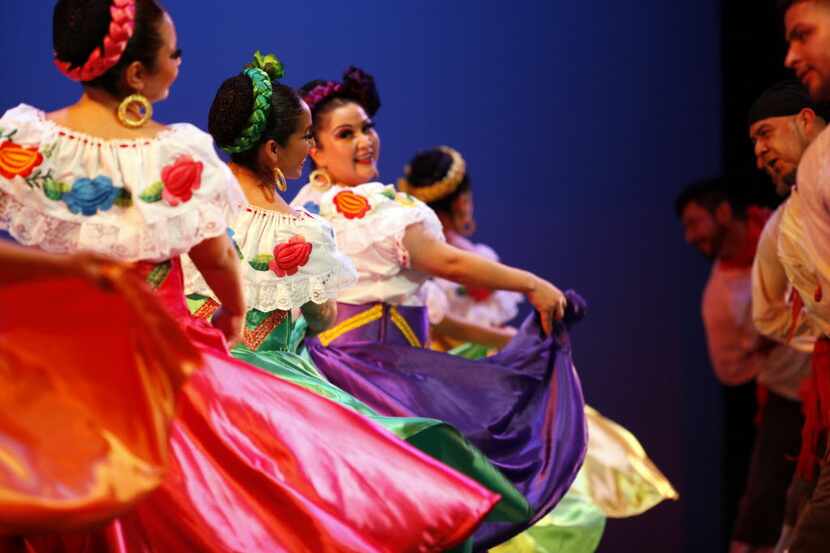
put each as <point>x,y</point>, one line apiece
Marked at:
<point>783,122</point>
<point>718,224</point>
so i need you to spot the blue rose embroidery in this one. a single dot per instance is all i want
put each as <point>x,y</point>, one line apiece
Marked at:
<point>88,196</point>
<point>312,207</point>
<point>231,235</point>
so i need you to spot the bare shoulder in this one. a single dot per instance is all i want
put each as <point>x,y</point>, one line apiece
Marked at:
<point>59,116</point>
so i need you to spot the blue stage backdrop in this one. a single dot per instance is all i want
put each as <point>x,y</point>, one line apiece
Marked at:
<point>579,121</point>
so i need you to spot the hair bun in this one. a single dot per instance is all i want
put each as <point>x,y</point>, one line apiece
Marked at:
<point>269,63</point>
<point>361,85</point>
<point>428,167</point>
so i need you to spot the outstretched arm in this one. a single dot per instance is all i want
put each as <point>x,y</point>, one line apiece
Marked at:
<point>465,331</point>
<point>21,264</point>
<point>437,258</point>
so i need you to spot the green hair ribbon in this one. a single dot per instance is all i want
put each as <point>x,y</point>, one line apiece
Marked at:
<point>261,71</point>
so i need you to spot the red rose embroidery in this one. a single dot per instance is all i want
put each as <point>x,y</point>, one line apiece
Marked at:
<point>290,256</point>
<point>17,160</point>
<point>351,205</point>
<point>479,293</point>
<point>180,179</point>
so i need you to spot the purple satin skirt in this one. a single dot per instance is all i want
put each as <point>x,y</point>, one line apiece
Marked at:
<point>523,408</point>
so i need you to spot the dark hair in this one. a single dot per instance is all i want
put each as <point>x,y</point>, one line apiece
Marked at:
<point>232,107</point>
<point>429,167</point>
<point>784,98</point>
<point>79,27</point>
<point>711,193</point>
<point>784,5</point>
<point>357,87</point>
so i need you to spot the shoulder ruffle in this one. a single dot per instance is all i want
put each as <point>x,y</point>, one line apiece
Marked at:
<point>435,300</point>
<point>371,213</point>
<point>143,199</point>
<point>287,261</point>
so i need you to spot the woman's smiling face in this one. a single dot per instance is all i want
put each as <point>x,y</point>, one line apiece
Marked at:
<point>348,146</point>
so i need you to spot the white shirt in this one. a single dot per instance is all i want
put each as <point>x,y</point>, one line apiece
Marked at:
<point>772,306</point>
<point>804,239</point>
<point>737,351</point>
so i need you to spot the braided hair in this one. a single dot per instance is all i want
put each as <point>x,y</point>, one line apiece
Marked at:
<point>79,27</point>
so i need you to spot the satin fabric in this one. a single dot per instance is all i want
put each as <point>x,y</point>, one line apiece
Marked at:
<point>523,408</point>
<point>73,452</point>
<point>260,464</point>
<point>274,352</point>
<point>617,480</point>
<point>620,477</point>
<point>576,525</point>
<point>435,438</point>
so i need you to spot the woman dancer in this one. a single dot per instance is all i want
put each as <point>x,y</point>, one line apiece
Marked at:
<point>289,260</point>
<point>617,479</point>
<point>256,463</point>
<point>505,405</point>
<point>472,319</point>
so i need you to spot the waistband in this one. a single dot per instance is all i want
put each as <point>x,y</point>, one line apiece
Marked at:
<point>378,323</point>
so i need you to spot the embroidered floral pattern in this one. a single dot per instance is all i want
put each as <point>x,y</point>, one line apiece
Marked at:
<point>17,160</point>
<point>479,293</point>
<point>54,190</point>
<point>476,293</point>
<point>181,179</point>
<point>156,277</point>
<point>152,193</point>
<point>351,205</point>
<point>231,235</point>
<point>82,194</point>
<point>178,181</point>
<point>405,200</point>
<point>290,256</point>
<point>89,196</point>
<point>260,262</point>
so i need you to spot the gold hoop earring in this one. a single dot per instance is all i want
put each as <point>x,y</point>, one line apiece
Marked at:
<point>279,180</point>
<point>143,103</point>
<point>320,179</point>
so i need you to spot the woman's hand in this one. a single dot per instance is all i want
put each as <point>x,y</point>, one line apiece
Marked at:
<point>319,316</point>
<point>549,301</point>
<point>229,324</point>
<point>432,256</point>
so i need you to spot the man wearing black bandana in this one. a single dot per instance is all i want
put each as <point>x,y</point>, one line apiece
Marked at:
<point>783,122</point>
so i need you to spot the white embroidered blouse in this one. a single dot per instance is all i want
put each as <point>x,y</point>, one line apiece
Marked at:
<point>287,260</point>
<point>140,199</point>
<point>370,221</point>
